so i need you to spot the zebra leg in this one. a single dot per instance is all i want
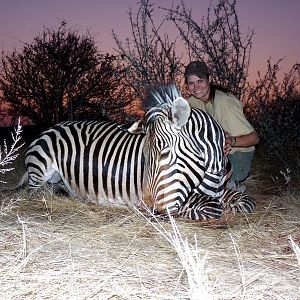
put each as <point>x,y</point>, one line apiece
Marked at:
<point>237,202</point>
<point>201,207</point>
<point>49,180</point>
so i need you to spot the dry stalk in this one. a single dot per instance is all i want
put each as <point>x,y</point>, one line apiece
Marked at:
<point>295,248</point>
<point>9,154</point>
<point>189,257</point>
<point>241,266</point>
<point>24,248</point>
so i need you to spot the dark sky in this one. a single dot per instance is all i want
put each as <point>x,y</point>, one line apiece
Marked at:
<point>276,23</point>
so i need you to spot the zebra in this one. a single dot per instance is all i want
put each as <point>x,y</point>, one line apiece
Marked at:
<point>160,161</point>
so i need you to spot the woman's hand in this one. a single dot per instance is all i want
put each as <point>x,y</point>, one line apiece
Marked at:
<point>229,142</point>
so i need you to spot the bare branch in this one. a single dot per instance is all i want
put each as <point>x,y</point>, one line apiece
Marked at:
<point>150,58</point>
<point>9,154</point>
<point>218,41</point>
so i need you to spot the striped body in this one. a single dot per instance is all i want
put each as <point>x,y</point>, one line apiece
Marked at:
<point>96,161</point>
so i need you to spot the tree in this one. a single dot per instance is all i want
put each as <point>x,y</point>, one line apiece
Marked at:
<point>60,76</point>
<point>148,58</point>
<point>218,41</point>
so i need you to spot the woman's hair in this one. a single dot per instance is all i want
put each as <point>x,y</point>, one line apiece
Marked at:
<point>214,87</point>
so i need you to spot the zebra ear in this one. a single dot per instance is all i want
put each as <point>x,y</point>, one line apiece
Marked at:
<point>136,128</point>
<point>180,112</point>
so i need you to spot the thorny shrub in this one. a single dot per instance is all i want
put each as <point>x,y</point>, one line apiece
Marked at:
<point>273,108</point>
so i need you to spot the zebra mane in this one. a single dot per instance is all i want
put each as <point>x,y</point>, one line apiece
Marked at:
<point>161,95</point>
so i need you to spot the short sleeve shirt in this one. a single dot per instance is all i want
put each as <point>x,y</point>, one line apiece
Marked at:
<point>228,111</point>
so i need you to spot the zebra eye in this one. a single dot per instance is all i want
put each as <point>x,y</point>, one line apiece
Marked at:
<point>165,153</point>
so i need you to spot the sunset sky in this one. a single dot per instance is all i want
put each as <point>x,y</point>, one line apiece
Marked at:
<point>276,23</point>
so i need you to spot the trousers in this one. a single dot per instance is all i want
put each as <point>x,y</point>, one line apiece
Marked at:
<point>241,165</point>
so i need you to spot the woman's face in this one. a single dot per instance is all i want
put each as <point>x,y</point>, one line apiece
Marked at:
<point>199,87</point>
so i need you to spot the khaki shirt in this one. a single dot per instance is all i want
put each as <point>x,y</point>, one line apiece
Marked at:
<point>228,111</point>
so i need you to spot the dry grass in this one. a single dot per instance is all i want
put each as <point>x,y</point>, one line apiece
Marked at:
<point>57,248</point>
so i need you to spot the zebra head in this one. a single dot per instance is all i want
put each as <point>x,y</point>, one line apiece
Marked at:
<point>165,185</point>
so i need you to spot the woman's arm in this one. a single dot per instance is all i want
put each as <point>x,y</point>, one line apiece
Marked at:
<point>246,140</point>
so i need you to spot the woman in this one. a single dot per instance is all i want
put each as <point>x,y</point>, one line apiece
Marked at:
<point>227,109</point>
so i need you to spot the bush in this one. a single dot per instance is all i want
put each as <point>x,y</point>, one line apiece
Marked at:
<point>273,107</point>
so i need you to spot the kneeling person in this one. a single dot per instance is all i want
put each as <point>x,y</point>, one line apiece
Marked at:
<point>227,109</point>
